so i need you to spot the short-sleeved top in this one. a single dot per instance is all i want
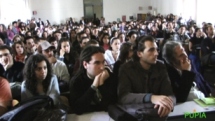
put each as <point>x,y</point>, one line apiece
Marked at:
<point>5,95</point>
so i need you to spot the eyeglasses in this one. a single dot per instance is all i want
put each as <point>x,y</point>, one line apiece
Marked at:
<point>5,54</point>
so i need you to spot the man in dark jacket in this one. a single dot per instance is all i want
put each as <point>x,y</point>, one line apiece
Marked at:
<point>93,88</point>
<point>145,80</point>
<point>13,71</point>
<point>179,69</point>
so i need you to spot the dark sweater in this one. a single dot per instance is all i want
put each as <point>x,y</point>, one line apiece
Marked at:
<point>14,73</point>
<point>83,98</point>
<point>181,84</point>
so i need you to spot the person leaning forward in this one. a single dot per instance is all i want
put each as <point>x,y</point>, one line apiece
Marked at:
<point>145,80</point>
<point>93,88</point>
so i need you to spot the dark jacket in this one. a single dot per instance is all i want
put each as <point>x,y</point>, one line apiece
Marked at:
<point>181,84</point>
<point>83,98</point>
<point>136,83</point>
<point>207,46</point>
<point>14,73</point>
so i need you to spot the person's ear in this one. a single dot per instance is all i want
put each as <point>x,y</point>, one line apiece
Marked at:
<point>139,54</point>
<point>85,64</point>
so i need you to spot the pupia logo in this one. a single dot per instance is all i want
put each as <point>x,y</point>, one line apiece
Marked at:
<point>194,114</point>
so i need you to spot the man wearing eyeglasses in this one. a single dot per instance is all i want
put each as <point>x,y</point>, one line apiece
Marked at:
<point>13,70</point>
<point>93,88</point>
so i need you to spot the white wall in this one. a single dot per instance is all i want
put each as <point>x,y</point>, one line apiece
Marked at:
<point>57,11</point>
<point>205,11</point>
<point>11,10</point>
<point>114,9</point>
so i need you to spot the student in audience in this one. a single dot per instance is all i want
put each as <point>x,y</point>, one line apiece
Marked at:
<point>121,36</point>
<point>112,54</point>
<point>13,69</point>
<point>5,96</point>
<point>208,44</point>
<point>15,29</point>
<point>92,43</point>
<point>10,33</point>
<point>19,53</point>
<point>30,46</point>
<point>132,38</point>
<point>53,42</point>
<point>72,36</point>
<point>39,79</point>
<point>195,47</point>
<point>179,69</point>
<point>59,67</point>
<point>67,54</point>
<point>105,41</point>
<point>17,38</point>
<point>57,34</point>
<point>126,53</point>
<point>114,33</point>
<point>83,43</point>
<point>145,80</point>
<point>182,35</point>
<point>93,87</point>
<point>2,41</point>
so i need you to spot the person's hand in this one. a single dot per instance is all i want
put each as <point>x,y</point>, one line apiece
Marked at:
<point>104,76</point>
<point>185,64</point>
<point>97,80</point>
<point>62,52</point>
<point>163,102</point>
<point>9,63</point>
<point>162,111</point>
<point>33,49</point>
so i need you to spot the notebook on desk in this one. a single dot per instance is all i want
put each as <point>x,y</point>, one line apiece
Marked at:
<point>210,101</point>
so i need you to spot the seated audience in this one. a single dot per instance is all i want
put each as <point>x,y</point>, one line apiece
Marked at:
<point>145,80</point>
<point>13,69</point>
<point>179,70</point>
<point>126,53</point>
<point>93,87</point>
<point>112,54</point>
<point>67,54</point>
<point>19,51</point>
<point>105,41</point>
<point>59,67</point>
<point>30,46</point>
<point>39,79</point>
<point>5,96</point>
<point>208,44</point>
<point>92,43</point>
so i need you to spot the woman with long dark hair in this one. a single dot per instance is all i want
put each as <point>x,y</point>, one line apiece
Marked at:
<point>67,54</point>
<point>39,79</point>
<point>126,53</point>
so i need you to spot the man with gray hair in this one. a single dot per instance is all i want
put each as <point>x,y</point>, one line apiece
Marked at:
<point>179,69</point>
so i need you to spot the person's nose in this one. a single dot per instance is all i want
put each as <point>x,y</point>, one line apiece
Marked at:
<point>102,66</point>
<point>42,71</point>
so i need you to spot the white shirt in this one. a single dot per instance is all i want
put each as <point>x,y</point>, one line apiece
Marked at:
<point>110,59</point>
